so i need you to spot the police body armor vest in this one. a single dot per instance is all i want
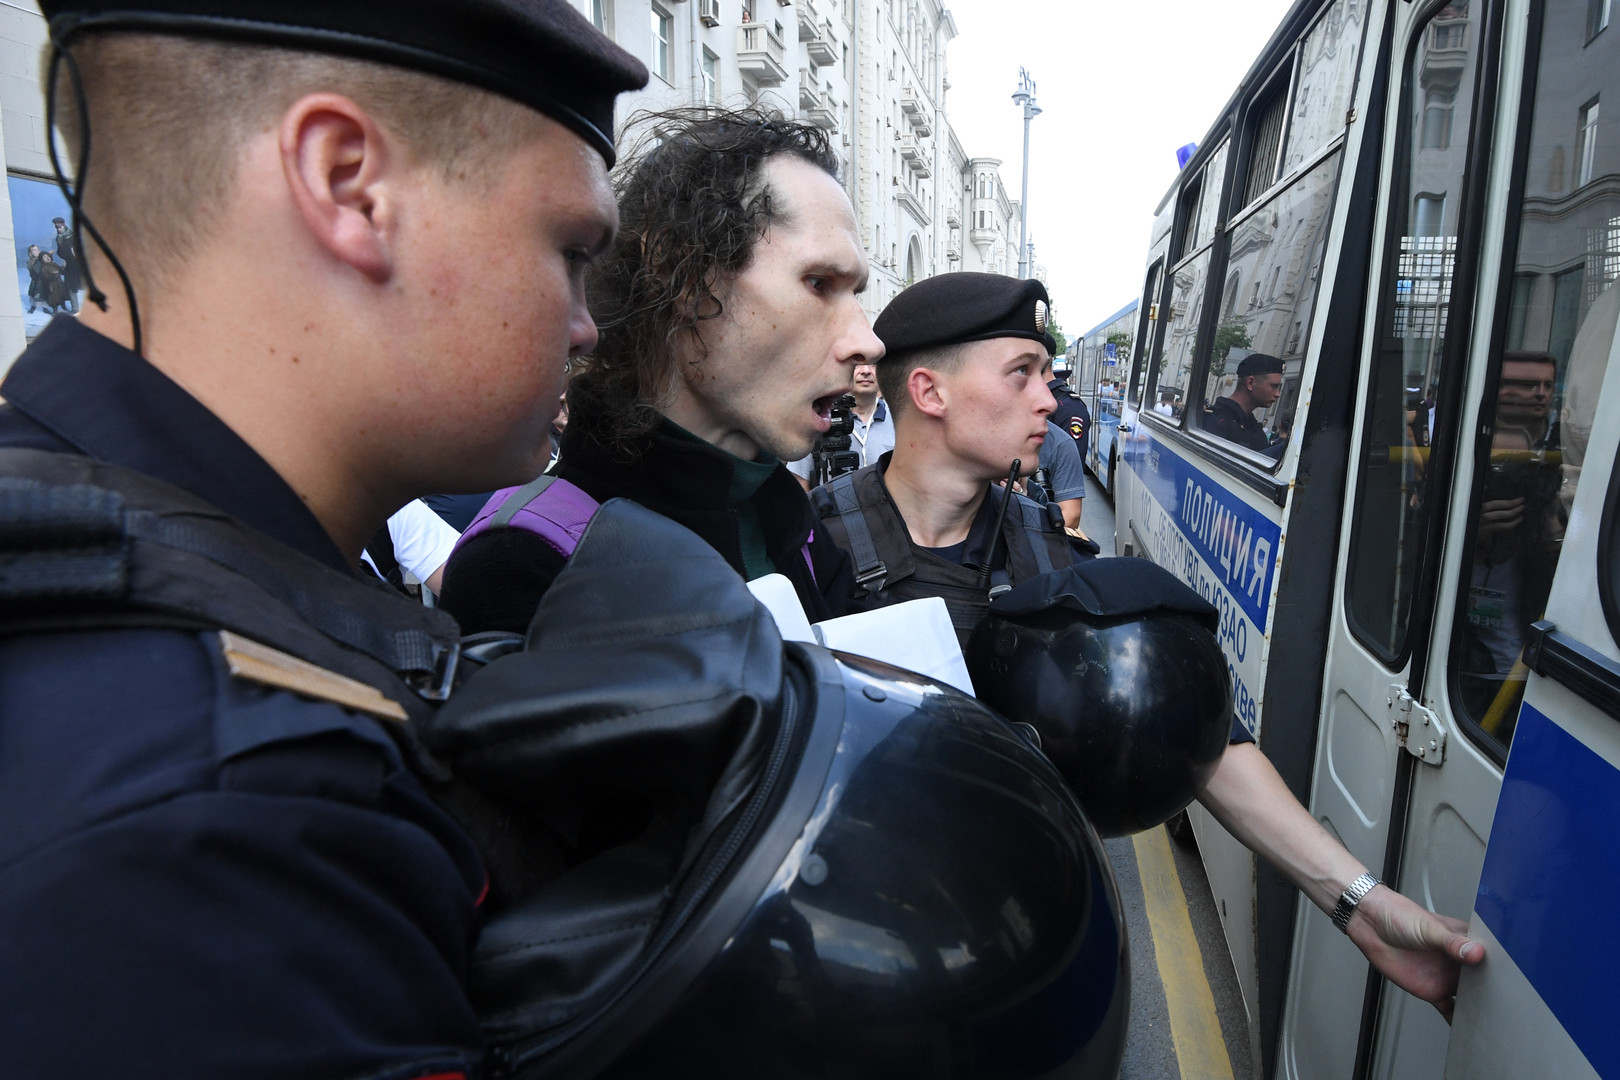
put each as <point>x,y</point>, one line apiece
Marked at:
<point>729,751</point>
<point>890,569</point>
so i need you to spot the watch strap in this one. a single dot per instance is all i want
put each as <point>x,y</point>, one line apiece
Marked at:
<point>1348,900</point>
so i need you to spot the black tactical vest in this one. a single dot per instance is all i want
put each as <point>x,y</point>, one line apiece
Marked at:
<point>890,569</point>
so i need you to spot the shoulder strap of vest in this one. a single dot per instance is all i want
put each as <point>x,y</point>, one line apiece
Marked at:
<point>870,570</point>
<point>85,545</point>
<point>548,506</point>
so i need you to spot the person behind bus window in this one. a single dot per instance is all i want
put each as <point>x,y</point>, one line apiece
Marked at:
<point>1259,385</point>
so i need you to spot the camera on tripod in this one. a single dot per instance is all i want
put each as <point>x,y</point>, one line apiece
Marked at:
<point>834,454</point>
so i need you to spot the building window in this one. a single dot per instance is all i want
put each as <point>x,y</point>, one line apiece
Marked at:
<point>1428,215</point>
<point>1437,113</point>
<point>711,77</point>
<point>599,16</point>
<point>661,53</point>
<point>1597,17</point>
<point>1452,36</point>
<point>1586,142</point>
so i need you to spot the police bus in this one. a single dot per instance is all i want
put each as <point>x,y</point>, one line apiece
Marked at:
<point>1412,208</point>
<point>1100,359</point>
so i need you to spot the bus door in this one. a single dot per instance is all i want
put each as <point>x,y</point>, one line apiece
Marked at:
<point>1391,778</point>
<point>1495,329</point>
<point>1542,1005</point>
<point>1532,668</point>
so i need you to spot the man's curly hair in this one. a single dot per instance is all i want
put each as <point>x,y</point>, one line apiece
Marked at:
<point>692,205</point>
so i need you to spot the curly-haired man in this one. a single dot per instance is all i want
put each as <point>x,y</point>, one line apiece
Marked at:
<point>730,319</point>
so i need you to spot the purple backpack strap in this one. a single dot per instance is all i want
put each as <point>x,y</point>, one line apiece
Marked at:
<point>551,508</point>
<point>805,551</point>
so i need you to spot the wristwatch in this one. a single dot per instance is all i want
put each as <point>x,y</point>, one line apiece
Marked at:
<point>1348,900</point>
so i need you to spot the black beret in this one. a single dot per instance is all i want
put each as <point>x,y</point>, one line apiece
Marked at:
<point>1259,363</point>
<point>541,53</point>
<point>953,309</point>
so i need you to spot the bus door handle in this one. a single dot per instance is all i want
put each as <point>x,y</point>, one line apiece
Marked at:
<point>1125,428</point>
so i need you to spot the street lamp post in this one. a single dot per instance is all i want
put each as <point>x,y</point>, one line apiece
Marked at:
<point>1025,96</point>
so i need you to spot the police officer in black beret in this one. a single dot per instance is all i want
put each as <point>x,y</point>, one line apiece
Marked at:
<point>1259,385</point>
<point>334,257</point>
<point>965,373</point>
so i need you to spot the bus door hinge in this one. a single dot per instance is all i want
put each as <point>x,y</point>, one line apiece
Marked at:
<point>1417,729</point>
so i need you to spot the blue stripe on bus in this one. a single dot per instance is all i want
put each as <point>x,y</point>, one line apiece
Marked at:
<point>1237,542</point>
<point>1551,877</point>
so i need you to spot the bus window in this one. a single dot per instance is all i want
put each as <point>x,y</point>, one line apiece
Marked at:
<point>1144,334</point>
<point>1209,213</point>
<point>1265,312</point>
<point>1326,80</point>
<point>1393,497</point>
<point>1561,325</point>
<point>1179,333</point>
<point>1267,114</point>
<point>1180,336</point>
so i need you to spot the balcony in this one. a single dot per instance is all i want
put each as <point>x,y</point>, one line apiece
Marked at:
<point>823,114</point>
<point>809,89</point>
<point>915,155</point>
<point>761,56</point>
<point>809,18</point>
<point>953,251</point>
<point>913,205</point>
<point>822,48</point>
<point>917,110</point>
<point>953,217</point>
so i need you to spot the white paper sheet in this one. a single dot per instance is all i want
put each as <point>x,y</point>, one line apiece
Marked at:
<point>776,592</point>
<point>916,635</point>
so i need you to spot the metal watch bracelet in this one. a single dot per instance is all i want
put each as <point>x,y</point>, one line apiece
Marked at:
<point>1348,900</point>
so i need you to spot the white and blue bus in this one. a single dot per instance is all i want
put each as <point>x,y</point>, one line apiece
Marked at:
<point>1098,361</point>
<point>1412,208</point>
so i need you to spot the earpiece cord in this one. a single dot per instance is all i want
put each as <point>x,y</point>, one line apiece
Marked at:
<point>75,193</point>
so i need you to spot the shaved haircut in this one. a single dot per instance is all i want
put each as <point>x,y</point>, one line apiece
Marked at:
<point>894,373</point>
<point>170,116</point>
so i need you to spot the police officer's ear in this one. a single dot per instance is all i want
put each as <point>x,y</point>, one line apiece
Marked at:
<point>927,391</point>
<point>337,162</point>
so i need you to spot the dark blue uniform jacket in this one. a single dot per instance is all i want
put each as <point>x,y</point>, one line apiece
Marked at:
<point>201,877</point>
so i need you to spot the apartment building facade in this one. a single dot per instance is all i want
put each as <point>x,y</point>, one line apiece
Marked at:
<point>871,73</point>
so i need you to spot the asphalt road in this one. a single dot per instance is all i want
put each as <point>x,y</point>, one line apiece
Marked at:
<point>1150,1052</point>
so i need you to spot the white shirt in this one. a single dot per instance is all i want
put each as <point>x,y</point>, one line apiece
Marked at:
<point>422,540</point>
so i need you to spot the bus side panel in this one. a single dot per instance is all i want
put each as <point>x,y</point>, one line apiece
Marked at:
<point>1545,906</point>
<point>1503,1029</point>
<point>1226,549</point>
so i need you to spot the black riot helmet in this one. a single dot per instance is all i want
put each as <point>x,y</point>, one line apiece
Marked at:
<point>1115,665</point>
<point>719,856</point>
